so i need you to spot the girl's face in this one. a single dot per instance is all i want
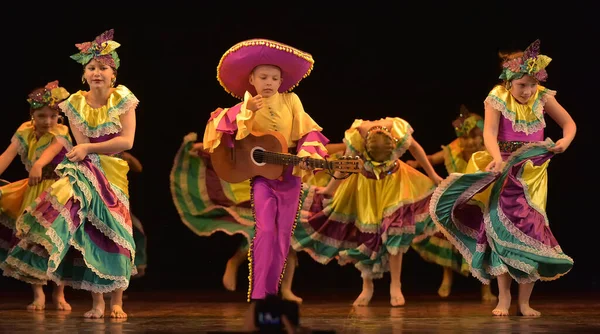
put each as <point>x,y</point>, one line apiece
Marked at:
<point>523,89</point>
<point>472,142</point>
<point>44,119</point>
<point>266,79</point>
<point>98,75</point>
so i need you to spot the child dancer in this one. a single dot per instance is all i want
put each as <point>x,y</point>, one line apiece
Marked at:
<point>83,219</point>
<point>38,143</point>
<point>262,73</point>
<point>495,213</point>
<point>372,218</point>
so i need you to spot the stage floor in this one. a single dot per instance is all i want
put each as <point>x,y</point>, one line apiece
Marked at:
<point>183,311</point>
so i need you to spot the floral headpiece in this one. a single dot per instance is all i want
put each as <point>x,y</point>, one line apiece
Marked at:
<point>466,122</point>
<point>50,96</point>
<point>102,49</point>
<point>532,63</point>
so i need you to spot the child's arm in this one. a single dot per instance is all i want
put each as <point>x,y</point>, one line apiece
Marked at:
<point>564,120</point>
<point>333,184</point>
<point>434,159</point>
<point>35,174</point>
<point>334,148</point>
<point>133,162</point>
<point>120,143</point>
<point>335,181</point>
<point>8,156</point>
<point>491,124</point>
<point>417,151</point>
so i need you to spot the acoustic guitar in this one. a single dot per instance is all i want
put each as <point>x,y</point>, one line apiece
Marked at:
<point>265,154</point>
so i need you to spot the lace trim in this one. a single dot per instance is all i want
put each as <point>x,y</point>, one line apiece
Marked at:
<point>537,109</point>
<point>114,126</point>
<point>458,244</point>
<point>14,272</point>
<point>120,281</point>
<point>88,192</point>
<point>464,197</point>
<point>366,227</point>
<point>101,226</point>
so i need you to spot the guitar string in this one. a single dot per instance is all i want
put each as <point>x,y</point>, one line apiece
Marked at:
<point>274,157</point>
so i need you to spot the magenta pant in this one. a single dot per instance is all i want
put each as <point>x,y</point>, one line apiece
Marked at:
<point>275,205</point>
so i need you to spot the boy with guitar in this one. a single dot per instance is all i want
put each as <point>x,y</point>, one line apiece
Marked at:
<point>251,140</point>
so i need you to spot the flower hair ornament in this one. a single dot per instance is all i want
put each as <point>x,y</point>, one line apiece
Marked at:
<point>532,63</point>
<point>102,49</point>
<point>49,96</point>
<point>466,122</point>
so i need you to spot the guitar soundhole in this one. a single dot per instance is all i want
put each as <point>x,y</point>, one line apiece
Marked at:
<point>258,156</point>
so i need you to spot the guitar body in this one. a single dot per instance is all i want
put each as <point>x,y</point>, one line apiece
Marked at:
<point>236,164</point>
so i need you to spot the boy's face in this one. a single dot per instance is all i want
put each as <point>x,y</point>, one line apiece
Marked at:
<point>266,79</point>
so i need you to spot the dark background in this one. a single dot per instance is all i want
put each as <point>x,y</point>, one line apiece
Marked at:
<point>417,63</point>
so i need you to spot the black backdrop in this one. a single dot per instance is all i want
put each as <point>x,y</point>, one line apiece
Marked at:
<point>371,63</point>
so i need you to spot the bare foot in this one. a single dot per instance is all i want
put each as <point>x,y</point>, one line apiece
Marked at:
<point>230,276</point>
<point>502,307</point>
<point>39,298</point>
<point>37,305</point>
<point>446,285</point>
<point>444,290</point>
<point>61,304</point>
<point>289,295</point>
<point>95,313</point>
<point>97,310</point>
<point>527,311</point>
<point>486,293</point>
<point>117,312</point>
<point>396,296</point>
<point>365,296</point>
<point>59,301</point>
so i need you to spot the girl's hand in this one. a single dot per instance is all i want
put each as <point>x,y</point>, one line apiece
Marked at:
<point>35,175</point>
<point>78,153</point>
<point>495,166</point>
<point>437,179</point>
<point>560,146</point>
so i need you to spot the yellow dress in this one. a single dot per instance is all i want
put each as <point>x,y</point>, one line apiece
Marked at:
<point>16,196</point>
<point>373,213</point>
<point>83,220</point>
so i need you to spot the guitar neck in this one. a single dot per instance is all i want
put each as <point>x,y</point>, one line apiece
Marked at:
<point>288,159</point>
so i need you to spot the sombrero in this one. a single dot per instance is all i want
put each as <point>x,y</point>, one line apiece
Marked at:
<point>239,61</point>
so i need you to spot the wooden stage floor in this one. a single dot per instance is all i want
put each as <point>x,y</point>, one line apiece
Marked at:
<point>192,312</point>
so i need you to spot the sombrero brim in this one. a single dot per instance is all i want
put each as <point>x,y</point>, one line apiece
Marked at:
<point>239,61</point>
